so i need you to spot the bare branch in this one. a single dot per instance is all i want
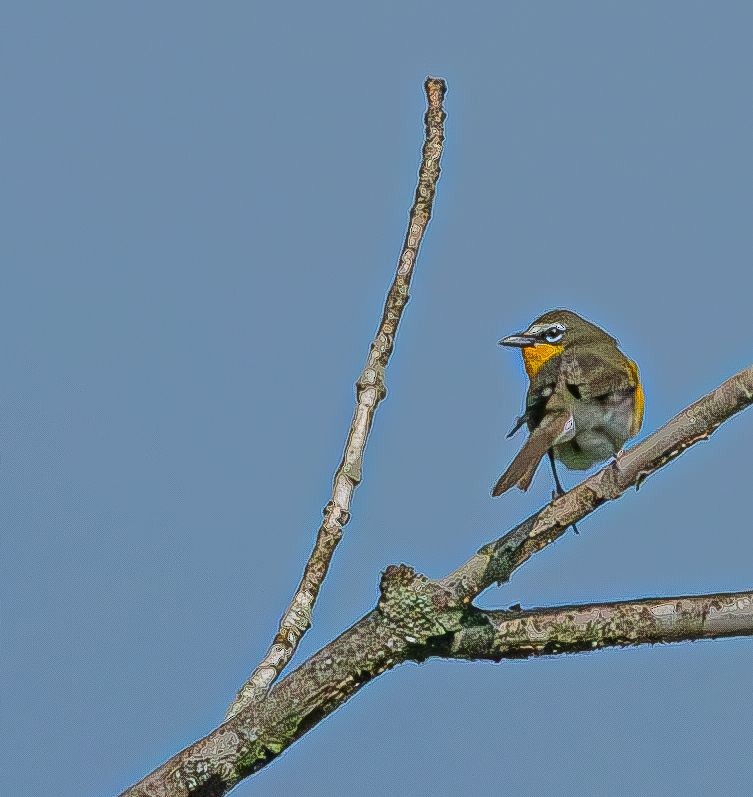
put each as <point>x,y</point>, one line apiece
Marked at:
<point>370,390</point>
<point>496,561</point>
<point>571,629</point>
<point>417,618</point>
<point>250,740</point>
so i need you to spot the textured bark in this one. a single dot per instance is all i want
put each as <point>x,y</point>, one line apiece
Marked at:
<point>417,618</point>
<point>257,734</point>
<point>570,629</point>
<point>370,390</point>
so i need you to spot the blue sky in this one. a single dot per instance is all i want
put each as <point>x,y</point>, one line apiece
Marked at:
<point>203,206</point>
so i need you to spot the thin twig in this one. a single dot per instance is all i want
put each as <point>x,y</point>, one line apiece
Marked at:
<point>370,390</point>
<point>417,618</point>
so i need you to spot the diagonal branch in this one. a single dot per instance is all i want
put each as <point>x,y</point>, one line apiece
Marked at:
<point>417,618</point>
<point>496,561</point>
<point>370,390</point>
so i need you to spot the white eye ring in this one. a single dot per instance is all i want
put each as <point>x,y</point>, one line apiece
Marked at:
<point>553,334</point>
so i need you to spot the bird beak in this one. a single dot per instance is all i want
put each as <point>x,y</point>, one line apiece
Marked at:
<point>521,340</point>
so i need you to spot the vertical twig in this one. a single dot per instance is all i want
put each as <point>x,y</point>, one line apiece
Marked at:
<point>370,390</point>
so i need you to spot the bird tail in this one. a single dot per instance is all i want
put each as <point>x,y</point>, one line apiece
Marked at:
<point>552,429</point>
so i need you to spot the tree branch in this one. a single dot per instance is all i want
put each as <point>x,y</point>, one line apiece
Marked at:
<point>257,735</point>
<point>571,629</point>
<point>417,618</point>
<point>370,390</point>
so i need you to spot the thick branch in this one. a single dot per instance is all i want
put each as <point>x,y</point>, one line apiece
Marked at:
<point>380,640</point>
<point>496,561</point>
<point>257,734</point>
<point>570,629</point>
<point>370,390</point>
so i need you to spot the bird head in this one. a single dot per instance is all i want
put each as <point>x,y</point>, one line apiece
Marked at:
<point>550,334</point>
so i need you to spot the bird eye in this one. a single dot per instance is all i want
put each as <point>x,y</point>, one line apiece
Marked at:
<point>553,334</point>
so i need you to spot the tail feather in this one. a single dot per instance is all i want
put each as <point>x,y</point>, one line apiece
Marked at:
<point>522,469</point>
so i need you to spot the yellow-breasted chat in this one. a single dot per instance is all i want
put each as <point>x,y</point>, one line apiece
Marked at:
<point>584,401</point>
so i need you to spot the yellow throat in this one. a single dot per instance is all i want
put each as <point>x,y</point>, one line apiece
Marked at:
<point>535,356</point>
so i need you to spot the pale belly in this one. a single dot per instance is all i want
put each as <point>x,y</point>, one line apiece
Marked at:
<point>598,432</point>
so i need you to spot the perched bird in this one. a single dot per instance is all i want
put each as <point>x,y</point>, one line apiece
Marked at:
<point>584,398</point>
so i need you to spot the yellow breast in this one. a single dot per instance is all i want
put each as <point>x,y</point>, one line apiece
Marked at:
<point>535,356</point>
<point>640,399</point>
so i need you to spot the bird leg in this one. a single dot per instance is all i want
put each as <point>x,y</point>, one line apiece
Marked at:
<point>557,483</point>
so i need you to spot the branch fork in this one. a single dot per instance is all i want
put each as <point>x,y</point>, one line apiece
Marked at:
<point>417,617</point>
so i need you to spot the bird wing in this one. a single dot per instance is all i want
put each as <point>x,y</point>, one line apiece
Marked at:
<point>592,376</point>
